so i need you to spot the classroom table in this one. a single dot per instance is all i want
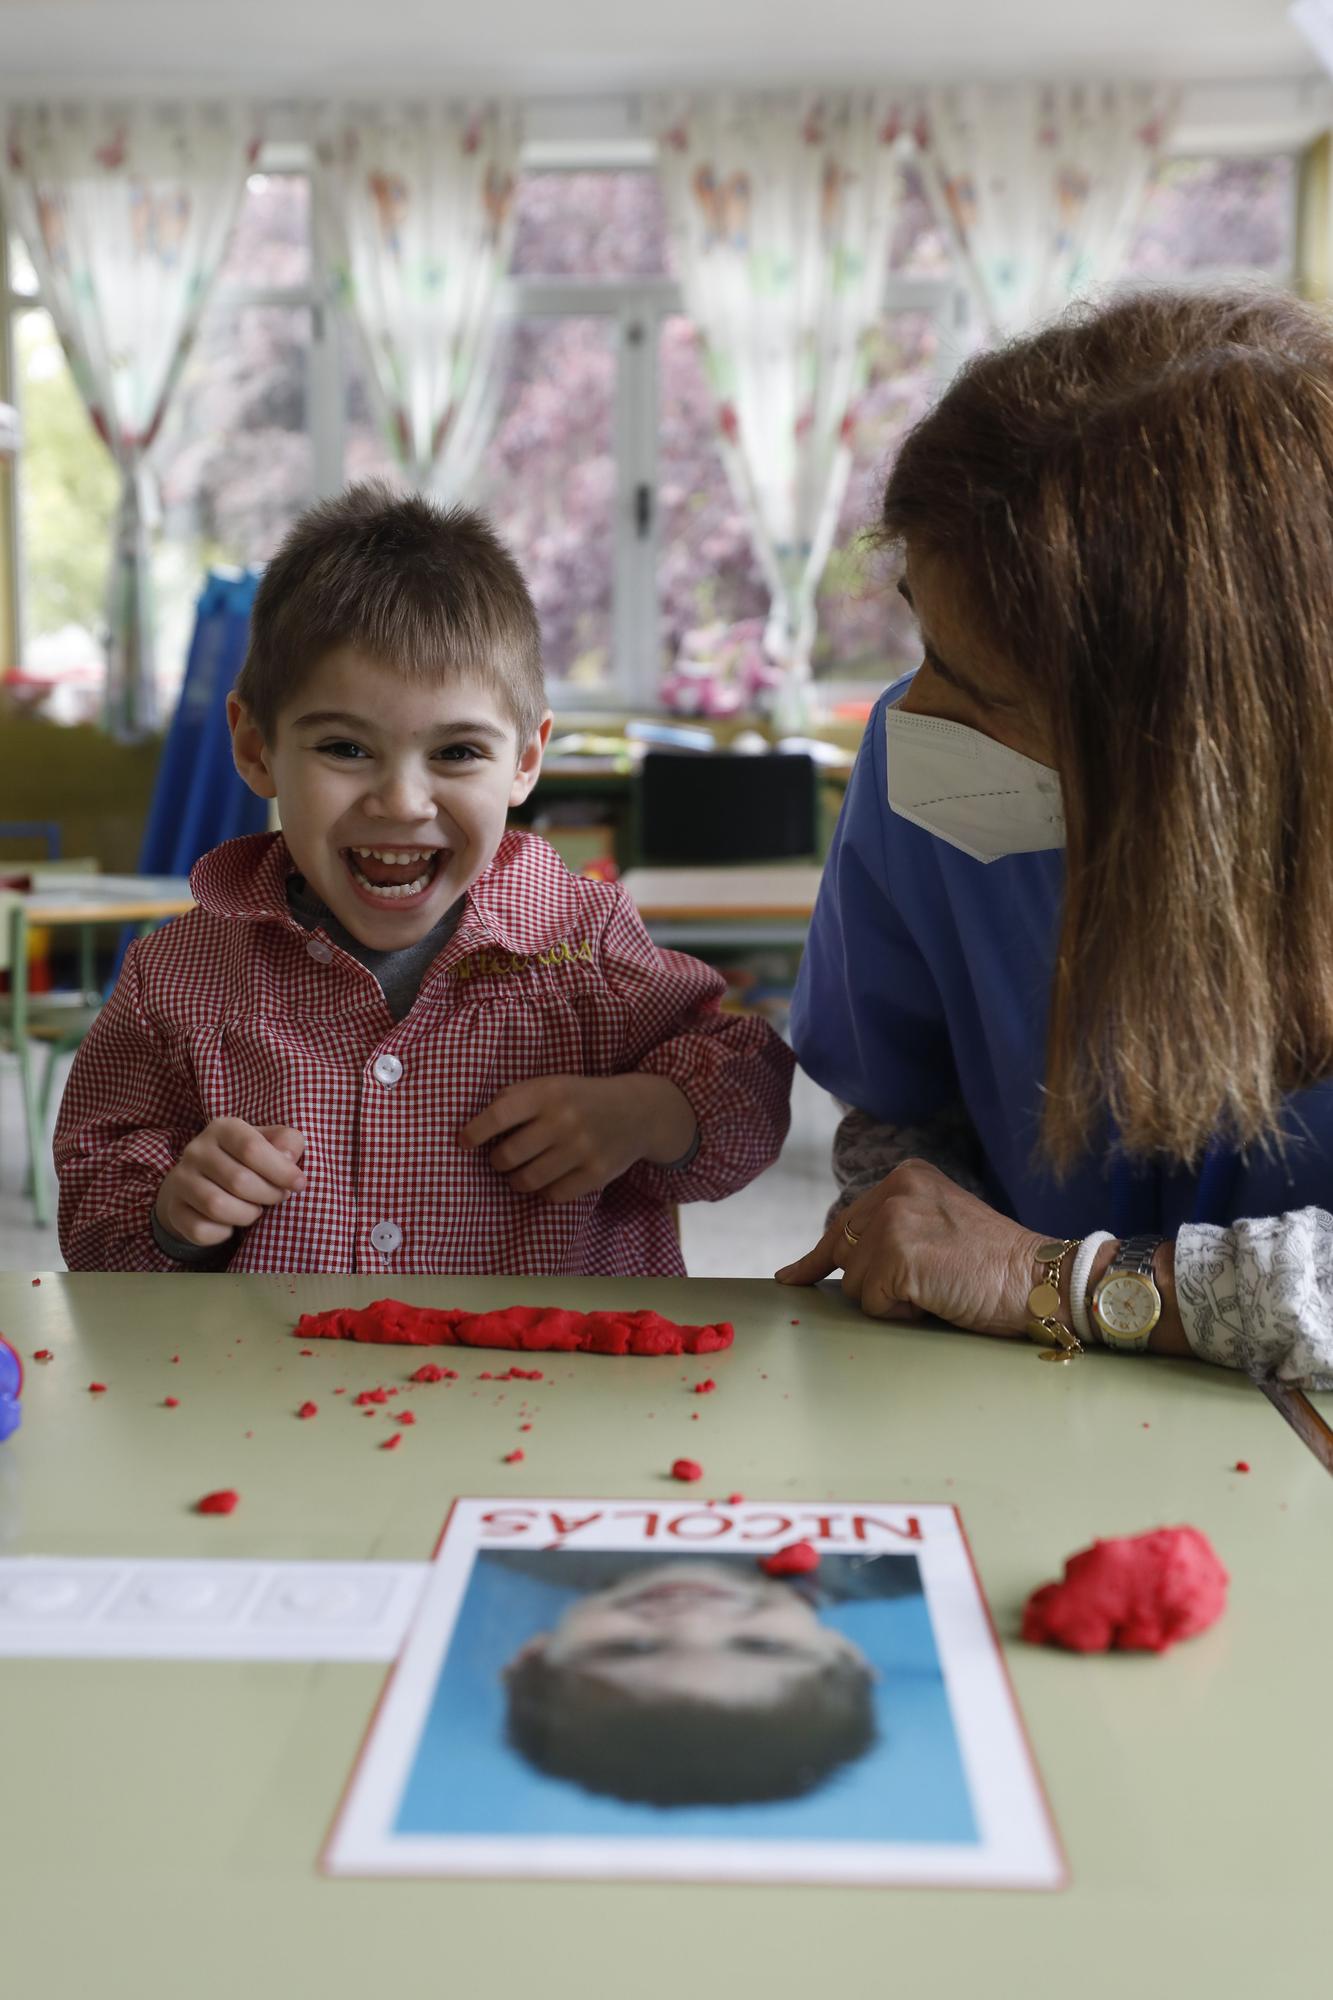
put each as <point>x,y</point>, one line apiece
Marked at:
<point>769,904</point>
<point>160,1822</point>
<point>106,899</point>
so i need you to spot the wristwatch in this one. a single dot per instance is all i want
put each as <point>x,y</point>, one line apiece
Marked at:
<point>1126,1304</point>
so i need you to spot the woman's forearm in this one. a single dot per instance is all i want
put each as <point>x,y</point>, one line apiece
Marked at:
<point>865,1149</point>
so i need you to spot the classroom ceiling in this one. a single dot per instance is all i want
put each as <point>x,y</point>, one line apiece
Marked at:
<point>308,47</point>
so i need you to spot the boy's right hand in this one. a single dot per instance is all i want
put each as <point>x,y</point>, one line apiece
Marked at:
<point>226,1178</point>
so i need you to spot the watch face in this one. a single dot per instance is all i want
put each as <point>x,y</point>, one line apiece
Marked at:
<point>1127,1304</point>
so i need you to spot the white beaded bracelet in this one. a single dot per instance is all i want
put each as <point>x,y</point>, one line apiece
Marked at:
<point>1084,1258</point>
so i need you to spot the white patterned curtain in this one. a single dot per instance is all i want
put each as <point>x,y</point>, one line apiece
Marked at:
<point>418,213</point>
<point>781,211</point>
<point>126,210</point>
<point>1039,186</point>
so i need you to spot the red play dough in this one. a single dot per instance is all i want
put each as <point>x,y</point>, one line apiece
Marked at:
<point>797,1559</point>
<point>392,1443</point>
<point>171,1402</point>
<point>705,1388</point>
<point>224,1502</point>
<point>97,1388</point>
<point>526,1329</point>
<point>513,1457</point>
<point>687,1468</point>
<point>1135,1593</point>
<point>42,1354</point>
<point>428,1372</point>
<point>308,1410</point>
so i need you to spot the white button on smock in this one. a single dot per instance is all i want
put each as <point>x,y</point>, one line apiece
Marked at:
<point>386,1236</point>
<point>386,1069</point>
<point>321,953</point>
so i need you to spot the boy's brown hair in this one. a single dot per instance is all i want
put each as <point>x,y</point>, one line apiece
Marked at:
<point>1137,506</point>
<point>428,590</point>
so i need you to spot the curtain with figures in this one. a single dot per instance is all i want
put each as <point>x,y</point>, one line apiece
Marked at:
<point>1039,186</point>
<point>417,210</point>
<point>781,210</point>
<point>126,210</point>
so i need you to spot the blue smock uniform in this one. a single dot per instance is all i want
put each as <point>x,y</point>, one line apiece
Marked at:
<point>926,983</point>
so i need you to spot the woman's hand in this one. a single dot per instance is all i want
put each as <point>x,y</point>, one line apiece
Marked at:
<point>927,1246</point>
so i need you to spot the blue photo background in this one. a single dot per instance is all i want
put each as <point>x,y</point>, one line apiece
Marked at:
<point>465,1778</point>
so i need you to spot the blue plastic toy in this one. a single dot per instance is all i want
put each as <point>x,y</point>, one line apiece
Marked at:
<point>11,1388</point>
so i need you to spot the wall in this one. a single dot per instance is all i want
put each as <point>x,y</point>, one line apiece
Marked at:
<point>98,791</point>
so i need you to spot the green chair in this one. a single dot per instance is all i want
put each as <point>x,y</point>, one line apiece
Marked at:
<point>55,1022</point>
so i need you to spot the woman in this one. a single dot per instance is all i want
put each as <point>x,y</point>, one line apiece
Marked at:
<point>1071,969</point>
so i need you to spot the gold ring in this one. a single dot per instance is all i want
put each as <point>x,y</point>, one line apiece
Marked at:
<point>850,1234</point>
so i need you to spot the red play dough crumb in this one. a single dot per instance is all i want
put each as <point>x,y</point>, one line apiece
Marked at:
<point>797,1559</point>
<point>225,1501</point>
<point>525,1427</point>
<point>97,1388</point>
<point>405,1417</point>
<point>687,1469</point>
<point>527,1329</point>
<point>308,1351</point>
<point>428,1372</point>
<point>513,1457</point>
<point>371,1396</point>
<point>171,1402</point>
<point>705,1388</point>
<point>1242,1465</point>
<point>42,1354</point>
<point>735,1499</point>
<point>308,1410</point>
<point>36,1281</point>
<point>1135,1593</point>
<point>175,1357</point>
<point>392,1443</point>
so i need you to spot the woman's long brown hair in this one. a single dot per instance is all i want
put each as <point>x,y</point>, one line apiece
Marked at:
<point>1137,504</point>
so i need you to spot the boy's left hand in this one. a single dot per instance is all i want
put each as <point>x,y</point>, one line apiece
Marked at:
<point>566,1136</point>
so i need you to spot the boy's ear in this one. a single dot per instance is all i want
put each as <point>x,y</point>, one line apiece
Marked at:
<point>530,761</point>
<point>249,752</point>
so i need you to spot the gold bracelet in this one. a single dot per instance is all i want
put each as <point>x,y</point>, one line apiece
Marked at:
<point>1056,1341</point>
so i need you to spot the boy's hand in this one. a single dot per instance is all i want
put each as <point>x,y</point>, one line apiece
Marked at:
<point>570,1135</point>
<point>226,1178</point>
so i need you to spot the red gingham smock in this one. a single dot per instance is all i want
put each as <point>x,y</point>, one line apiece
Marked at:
<point>235,1010</point>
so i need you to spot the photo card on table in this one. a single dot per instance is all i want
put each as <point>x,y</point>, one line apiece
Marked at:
<point>618,1689</point>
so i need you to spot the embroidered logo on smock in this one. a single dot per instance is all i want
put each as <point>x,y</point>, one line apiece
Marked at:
<point>482,963</point>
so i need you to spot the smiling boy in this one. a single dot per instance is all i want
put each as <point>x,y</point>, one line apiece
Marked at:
<point>397,1037</point>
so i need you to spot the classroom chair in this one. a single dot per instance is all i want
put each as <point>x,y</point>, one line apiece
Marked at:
<point>56,1022</point>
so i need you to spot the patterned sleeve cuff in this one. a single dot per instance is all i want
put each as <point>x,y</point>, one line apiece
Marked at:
<point>1259,1296</point>
<point>191,1255</point>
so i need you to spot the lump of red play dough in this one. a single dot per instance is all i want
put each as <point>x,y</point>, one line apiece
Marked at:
<point>1135,1593</point>
<point>524,1329</point>
<point>308,1410</point>
<point>687,1468</point>
<point>797,1559</point>
<point>225,1501</point>
<point>428,1372</point>
<point>705,1388</point>
<point>97,1388</point>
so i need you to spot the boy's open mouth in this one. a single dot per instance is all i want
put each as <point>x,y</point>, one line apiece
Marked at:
<point>393,874</point>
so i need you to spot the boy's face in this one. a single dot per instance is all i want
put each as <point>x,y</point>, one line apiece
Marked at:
<point>392,795</point>
<point>697,1631</point>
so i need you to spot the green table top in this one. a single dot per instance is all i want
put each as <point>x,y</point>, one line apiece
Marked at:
<point>160,1821</point>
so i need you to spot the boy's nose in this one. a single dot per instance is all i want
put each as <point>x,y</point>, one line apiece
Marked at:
<point>401,796</point>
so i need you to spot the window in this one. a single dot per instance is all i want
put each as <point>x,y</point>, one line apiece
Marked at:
<point>1212,216</point>
<point>602,472</point>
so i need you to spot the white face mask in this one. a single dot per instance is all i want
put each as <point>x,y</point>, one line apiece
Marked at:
<point>969,790</point>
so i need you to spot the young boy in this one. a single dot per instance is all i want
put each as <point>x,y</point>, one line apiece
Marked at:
<point>397,1037</point>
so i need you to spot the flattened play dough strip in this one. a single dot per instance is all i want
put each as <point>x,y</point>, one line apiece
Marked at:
<point>522,1329</point>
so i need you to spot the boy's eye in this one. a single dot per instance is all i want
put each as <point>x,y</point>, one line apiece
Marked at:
<point>459,753</point>
<point>340,747</point>
<point>770,1649</point>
